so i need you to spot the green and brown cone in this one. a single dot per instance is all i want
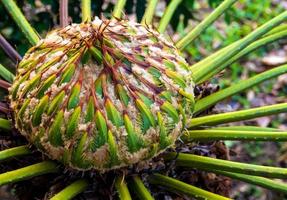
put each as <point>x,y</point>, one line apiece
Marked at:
<point>103,94</point>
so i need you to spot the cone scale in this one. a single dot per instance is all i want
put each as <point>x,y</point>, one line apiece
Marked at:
<point>123,106</point>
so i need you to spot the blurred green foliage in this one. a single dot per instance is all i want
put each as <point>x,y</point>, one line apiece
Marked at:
<point>240,20</point>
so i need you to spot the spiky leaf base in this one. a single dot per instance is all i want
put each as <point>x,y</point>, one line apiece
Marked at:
<point>102,95</point>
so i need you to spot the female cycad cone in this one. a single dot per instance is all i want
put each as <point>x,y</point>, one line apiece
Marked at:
<point>102,95</point>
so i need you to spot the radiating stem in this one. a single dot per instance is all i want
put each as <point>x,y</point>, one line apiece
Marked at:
<point>72,190</point>
<point>194,33</point>
<point>86,10</point>
<point>203,135</point>
<point>14,152</point>
<point>9,50</point>
<point>122,189</point>
<point>275,34</point>
<point>119,7</point>
<point>4,108</point>
<point>259,43</point>
<point>21,21</point>
<point>5,85</point>
<point>185,188</point>
<point>282,27</point>
<point>208,164</point>
<point>167,15</point>
<point>64,16</point>
<point>6,74</point>
<point>28,172</point>
<point>237,115</point>
<point>149,12</point>
<point>247,40</point>
<point>5,124</point>
<point>210,58</point>
<point>245,128</point>
<point>204,103</point>
<point>140,189</point>
<point>256,180</point>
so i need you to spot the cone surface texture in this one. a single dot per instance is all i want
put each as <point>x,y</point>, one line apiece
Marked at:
<point>102,95</point>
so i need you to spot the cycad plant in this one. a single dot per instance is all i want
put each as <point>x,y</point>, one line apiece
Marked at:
<point>113,100</point>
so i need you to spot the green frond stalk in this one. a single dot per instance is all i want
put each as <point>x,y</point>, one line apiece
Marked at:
<point>256,180</point>
<point>28,172</point>
<point>5,124</point>
<point>6,74</point>
<point>205,70</point>
<point>282,27</point>
<point>72,190</point>
<point>63,11</point>
<point>167,15</point>
<point>235,116</point>
<point>204,103</point>
<point>184,188</point>
<point>86,10</point>
<point>194,33</point>
<point>245,128</point>
<point>119,7</point>
<point>140,189</point>
<point>210,164</point>
<point>275,34</point>
<point>259,43</point>
<point>21,21</point>
<point>210,58</point>
<point>149,12</point>
<point>14,152</point>
<point>122,188</point>
<point>207,135</point>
